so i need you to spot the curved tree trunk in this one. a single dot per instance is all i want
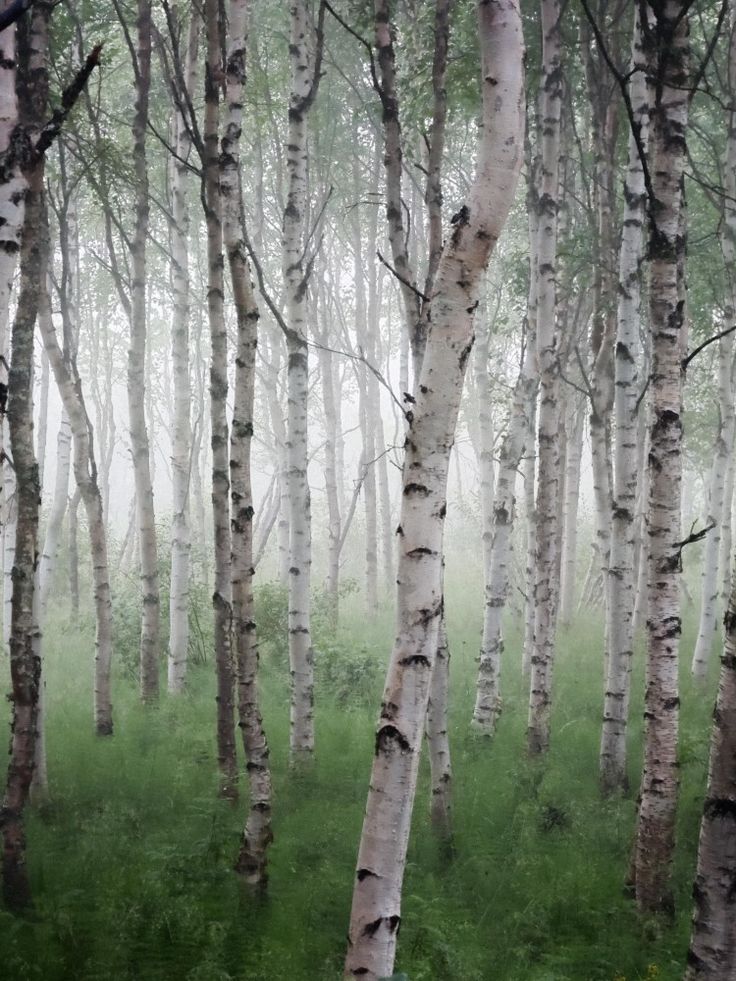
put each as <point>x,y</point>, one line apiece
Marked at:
<point>376,910</point>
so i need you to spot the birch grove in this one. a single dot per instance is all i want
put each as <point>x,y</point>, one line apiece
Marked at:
<point>435,458</point>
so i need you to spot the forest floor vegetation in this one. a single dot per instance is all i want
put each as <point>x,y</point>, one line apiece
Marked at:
<point>131,855</point>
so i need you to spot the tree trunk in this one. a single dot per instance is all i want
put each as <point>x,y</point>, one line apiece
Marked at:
<point>621,584</point>
<point>712,954</point>
<point>304,82</point>
<point>376,911</point>
<point>569,563</point>
<point>221,598</point>
<point>181,448</point>
<point>149,675</point>
<point>548,476</point>
<point>658,793</point>
<point>257,835</point>
<point>516,442</point>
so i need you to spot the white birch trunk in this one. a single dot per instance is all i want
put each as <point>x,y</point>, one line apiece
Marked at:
<point>181,448</point>
<point>620,582</point>
<point>658,793</point>
<point>219,436</point>
<point>140,447</point>
<point>497,575</point>
<point>569,557</point>
<point>257,835</point>
<point>712,953</point>
<point>304,81</point>
<point>548,475</point>
<point>722,451</point>
<point>376,910</point>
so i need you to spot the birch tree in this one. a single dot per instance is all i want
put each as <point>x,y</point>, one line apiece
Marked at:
<point>621,583</point>
<point>376,910</point>
<point>296,268</point>
<point>546,524</point>
<point>669,116</point>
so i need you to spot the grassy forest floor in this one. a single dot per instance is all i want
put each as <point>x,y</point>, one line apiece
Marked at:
<point>131,857</point>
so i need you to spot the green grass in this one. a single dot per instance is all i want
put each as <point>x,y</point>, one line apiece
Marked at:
<point>131,858</point>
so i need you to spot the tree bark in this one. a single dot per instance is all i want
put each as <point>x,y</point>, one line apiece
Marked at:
<point>376,911</point>
<point>257,834</point>
<point>658,793</point>
<point>548,477</point>
<point>140,448</point>
<point>621,584</point>
<point>181,449</point>
<point>221,598</point>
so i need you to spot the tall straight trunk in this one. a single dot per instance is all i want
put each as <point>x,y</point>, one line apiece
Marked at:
<point>642,599</point>
<point>221,597</point>
<point>304,83</point>
<point>724,554</point>
<point>516,442</point>
<point>257,835</point>
<point>722,451</point>
<point>548,476</point>
<point>569,557</point>
<point>181,449</point>
<point>25,652</point>
<point>720,493</point>
<point>655,837</point>
<point>332,581</point>
<point>148,551</point>
<point>25,660</point>
<point>437,721</point>
<point>43,418</point>
<point>621,583</point>
<point>712,953</point>
<point>376,909</point>
<point>74,555</point>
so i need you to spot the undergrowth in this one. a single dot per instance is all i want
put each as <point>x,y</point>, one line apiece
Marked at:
<point>131,856</point>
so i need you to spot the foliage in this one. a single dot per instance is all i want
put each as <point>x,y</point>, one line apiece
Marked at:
<point>131,859</point>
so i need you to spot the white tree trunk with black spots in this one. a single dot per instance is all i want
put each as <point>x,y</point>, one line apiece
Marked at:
<point>712,953</point>
<point>667,317</point>
<point>621,582</point>
<point>181,448</point>
<point>376,910</point>
<point>518,440</point>
<point>548,471</point>
<point>722,451</point>
<point>295,276</point>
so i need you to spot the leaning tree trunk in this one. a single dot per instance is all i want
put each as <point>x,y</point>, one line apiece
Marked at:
<point>140,448</point>
<point>85,474</point>
<point>376,910</point>
<point>548,475</point>
<point>257,834</point>
<point>658,793</point>
<point>621,582</point>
